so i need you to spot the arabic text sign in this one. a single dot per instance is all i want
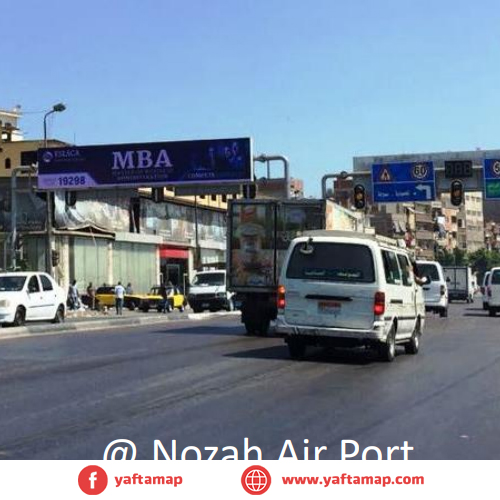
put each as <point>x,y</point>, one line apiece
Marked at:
<point>492,179</point>
<point>400,182</point>
<point>150,164</point>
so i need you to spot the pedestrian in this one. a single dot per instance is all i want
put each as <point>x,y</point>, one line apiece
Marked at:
<point>119,296</point>
<point>91,296</point>
<point>129,290</point>
<point>164,296</point>
<point>73,300</point>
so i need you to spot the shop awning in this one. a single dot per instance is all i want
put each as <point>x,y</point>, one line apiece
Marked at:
<point>173,253</point>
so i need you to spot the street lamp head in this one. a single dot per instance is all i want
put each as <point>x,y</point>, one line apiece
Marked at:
<point>59,107</point>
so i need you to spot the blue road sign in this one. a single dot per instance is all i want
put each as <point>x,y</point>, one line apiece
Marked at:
<point>399,182</point>
<point>492,179</point>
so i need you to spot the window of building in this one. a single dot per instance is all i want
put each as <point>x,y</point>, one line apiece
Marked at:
<point>224,198</point>
<point>7,163</point>
<point>214,197</point>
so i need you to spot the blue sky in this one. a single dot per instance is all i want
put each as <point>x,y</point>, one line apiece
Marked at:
<point>319,81</point>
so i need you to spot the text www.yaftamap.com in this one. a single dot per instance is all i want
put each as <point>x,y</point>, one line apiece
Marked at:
<point>348,479</point>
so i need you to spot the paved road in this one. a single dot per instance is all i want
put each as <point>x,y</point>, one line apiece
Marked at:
<point>206,384</point>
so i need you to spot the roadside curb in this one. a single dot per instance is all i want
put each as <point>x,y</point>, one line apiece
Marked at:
<point>42,329</point>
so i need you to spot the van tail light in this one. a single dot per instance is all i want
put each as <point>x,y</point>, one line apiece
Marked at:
<point>379,304</point>
<point>443,289</point>
<point>489,292</point>
<point>281,297</point>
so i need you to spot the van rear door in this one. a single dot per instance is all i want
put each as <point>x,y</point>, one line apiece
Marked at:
<point>331,285</point>
<point>432,290</point>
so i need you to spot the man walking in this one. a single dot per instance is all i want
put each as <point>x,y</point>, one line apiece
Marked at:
<point>119,296</point>
<point>91,296</point>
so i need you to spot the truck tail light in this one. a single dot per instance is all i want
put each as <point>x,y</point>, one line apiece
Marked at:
<point>489,292</point>
<point>281,297</point>
<point>379,304</point>
<point>443,290</point>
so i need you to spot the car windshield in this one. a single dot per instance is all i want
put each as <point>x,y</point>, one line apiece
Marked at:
<point>428,270</point>
<point>12,283</point>
<point>495,278</point>
<point>209,279</point>
<point>341,262</point>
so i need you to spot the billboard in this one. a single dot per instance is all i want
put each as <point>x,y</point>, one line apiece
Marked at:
<point>149,164</point>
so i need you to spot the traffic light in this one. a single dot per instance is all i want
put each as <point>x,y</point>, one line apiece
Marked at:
<point>249,191</point>
<point>359,196</point>
<point>55,258</point>
<point>457,193</point>
<point>70,198</point>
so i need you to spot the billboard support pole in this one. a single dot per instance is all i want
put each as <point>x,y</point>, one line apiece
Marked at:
<point>286,166</point>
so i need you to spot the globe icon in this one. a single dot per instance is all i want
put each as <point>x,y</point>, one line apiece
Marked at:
<point>256,481</point>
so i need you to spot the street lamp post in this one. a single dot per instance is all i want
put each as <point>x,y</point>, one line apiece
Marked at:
<point>57,108</point>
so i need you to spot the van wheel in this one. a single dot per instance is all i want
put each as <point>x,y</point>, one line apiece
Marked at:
<point>20,317</point>
<point>59,317</point>
<point>443,313</point>
<point>492,312</point>
<point>297,349</point>
<point>387,349</point>
<point>413,345</point>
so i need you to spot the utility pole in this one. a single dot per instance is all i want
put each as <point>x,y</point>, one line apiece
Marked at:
<point>57,108</point>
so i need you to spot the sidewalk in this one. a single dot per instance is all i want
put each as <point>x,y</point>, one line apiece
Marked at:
<point>84,321</point>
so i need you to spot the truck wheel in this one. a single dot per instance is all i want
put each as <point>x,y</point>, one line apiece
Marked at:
<point>296,348</point>
<point>387,349</point>
<point>131,306</point>
<point>19,317</point>
<point>443,313</point>
<point>492,311</point>
<point>250,327</point>
<point>263,327</point>
<point>413,345</point>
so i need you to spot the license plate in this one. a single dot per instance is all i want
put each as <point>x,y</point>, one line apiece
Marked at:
<point>205,304</point>
<point>329,307</point>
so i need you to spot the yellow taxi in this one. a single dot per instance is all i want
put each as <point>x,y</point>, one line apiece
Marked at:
<point>175,299</point>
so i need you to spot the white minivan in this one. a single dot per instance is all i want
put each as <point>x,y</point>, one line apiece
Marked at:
<point>484,290</point>
<point>436,289</point>
<point>349,289</point>
<point>493,291</point>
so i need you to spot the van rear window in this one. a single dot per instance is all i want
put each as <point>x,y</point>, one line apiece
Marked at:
<point>428,270</point>
<point>342,262</point>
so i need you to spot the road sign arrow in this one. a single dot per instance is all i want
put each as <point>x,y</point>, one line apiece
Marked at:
<point>427,189</point>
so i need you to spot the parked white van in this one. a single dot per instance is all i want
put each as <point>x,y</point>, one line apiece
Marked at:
<point>349,289</point>
<point>436,290</point>
<point>484,290</point>
<point>493,291</point>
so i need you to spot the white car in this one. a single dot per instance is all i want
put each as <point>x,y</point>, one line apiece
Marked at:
<point>348,289</point>
<point>493,291</point>
<point>484,290</point>
<point>30,296</point>
<point>436,289</point>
